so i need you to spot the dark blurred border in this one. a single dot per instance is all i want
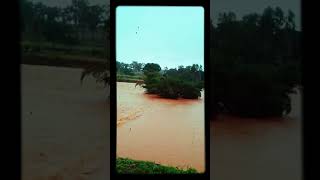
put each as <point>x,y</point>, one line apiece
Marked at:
<point>11,106</point>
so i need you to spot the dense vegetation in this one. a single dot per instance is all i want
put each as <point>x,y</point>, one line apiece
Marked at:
<point>255,63</point>
<point>77,23</point>
<point>75,36</point>
<point>254,60</point>
<point>128,166</point>
<point>182,82</point>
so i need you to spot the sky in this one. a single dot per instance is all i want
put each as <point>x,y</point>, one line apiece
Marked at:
<point>240,7</point>
<point>168,36</point>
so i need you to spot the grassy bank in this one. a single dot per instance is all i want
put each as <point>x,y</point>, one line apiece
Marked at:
<point>129,166</point>
<point>60,60</point>
<point>129,79</point>
<point>56,48</point>
<point>36,53</point>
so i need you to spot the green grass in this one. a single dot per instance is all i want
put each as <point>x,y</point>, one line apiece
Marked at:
<point>129,79</point>
<point>61,55</point>
<point>129,166</point>
<point>62,49</point>
<point>61,60</point>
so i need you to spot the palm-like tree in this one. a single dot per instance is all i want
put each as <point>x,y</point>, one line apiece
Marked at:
<point>101,72</point>
<point>98,71</point>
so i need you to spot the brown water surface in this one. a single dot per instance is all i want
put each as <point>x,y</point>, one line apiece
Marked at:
<point>257,149</point>
<point>170,132</point>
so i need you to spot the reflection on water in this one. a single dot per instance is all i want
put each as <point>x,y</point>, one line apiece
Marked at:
<point>251,149</point>
<point>165,131</point>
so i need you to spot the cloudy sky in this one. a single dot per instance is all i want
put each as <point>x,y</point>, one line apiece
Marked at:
<point>240,7</point>
<point>158,35</point>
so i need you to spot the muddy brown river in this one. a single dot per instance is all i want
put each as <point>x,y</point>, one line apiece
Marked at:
<point>258,149</point>
<point>150,128</point>
<point>170,132</point>
<point>54,148</point>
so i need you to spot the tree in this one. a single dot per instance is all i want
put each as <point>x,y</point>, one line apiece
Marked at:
<point>53,30</point>
<point>253,63</point>
<point>151,67</point>
<point>183,82</point>
<point>137,67</point>
<point>27,15</point>
<point>94,18</point>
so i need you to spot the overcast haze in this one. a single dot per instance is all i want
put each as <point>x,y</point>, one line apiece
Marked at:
<point>159,35</point>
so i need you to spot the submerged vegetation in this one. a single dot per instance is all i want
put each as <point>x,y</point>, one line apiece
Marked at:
<point>182,82</point>
<point>129,166</point>
<point>255,63</point>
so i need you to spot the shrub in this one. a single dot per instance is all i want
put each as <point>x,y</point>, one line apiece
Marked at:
<point>254,90</point>
<point>169,88</point>
<point>172,87</point>
<point>151,82</point>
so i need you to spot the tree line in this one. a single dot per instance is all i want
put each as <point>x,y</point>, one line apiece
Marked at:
<point>72,24</point>
<point>129,69</point>
<point>181,82</point>
<point>255,63</point>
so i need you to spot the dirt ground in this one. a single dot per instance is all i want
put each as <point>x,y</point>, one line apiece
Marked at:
<point>65,126</point>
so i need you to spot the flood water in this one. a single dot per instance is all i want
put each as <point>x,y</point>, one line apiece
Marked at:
<point>169,132</point>
<point>264,149</point>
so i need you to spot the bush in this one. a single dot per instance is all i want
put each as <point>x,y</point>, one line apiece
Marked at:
<point>255,90</point>
<point>151,82</point>
<point>190,90</point>
<point>172,87</point>
<point>169,88</point>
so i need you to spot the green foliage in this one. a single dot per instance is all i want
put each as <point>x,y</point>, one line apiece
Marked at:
<point>99,72</point>
<point>128,166</point>
<point>184,82</point>
<point>169,87</point>
<point>151,67</point>
<point>67,35</point>
<point>69,25</point>
<point>255,63</point>
<point>190,90</point>
<point>125,69</point>
<point>63,49</point>
<point>151,81</point>
<point>128,78</point>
